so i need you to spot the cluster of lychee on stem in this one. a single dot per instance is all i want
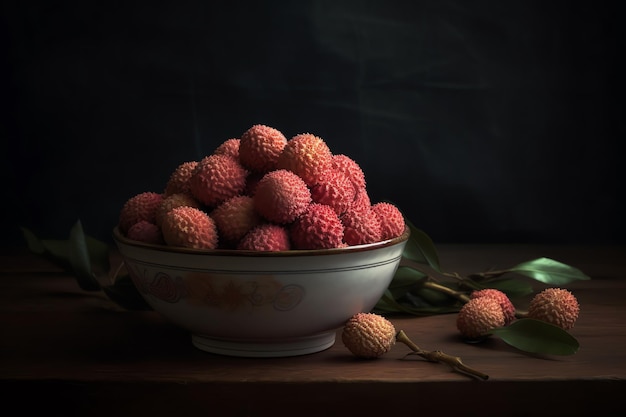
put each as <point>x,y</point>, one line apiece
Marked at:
<point>486,309</point>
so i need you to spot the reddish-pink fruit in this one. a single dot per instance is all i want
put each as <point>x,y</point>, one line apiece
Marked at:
<point>391,220</point>
<point>368,335</point>
<point>361,200</point>
<point>266,237</point>
<point>172,201</point>
<point>234,218</point>
<point>334,189</point>
<point>319,227</point>
<point>350,168</point>
<point>140,207</point>
<point>259,148</point>
<point>146,232</point>
<point>505,303</point>
<point>361,227</point>
<point>229,147</point>
<point>179,179</point>
<point>189,227</point>
<point>281,196</point>
<point>478,317</point>
<point>306,155</point>
<point>555,306</point>
<point>217,178</point>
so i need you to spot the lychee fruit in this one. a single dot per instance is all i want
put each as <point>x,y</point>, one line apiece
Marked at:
<point>172,201</point>
<point>234,218</point>
<point>361,227</point>
<point>350,168</point>
<point>142,206</point>
<point>259,148</point>
<point>391,220</point>
<point>334,189</point>
<point>228,147</point>
<point>319,227</point>
<point>266,237</point>
<point>478,317</point>
<point>368,335</point>
<point>361,200</point>
<point>505,303</point>
<point>281,196</point>
<point>178,181</point>
<point>189,227</point>
<point>146,232</point>
<point>217,178</point>
<point>555,306</point>
<point>306,155</point>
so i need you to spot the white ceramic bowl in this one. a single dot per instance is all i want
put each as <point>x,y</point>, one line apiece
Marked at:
<point>261,304</point>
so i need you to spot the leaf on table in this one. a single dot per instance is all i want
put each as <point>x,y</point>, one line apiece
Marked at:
<point>80,259</point>
<point>535,336</point>
<point>420,248</point>
<point>56,251</point>
<point>549,271</point>
<point>407,277</point>
<point>388,304</point>
<point>513,288</point>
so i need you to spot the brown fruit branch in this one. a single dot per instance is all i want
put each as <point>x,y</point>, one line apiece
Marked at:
<point>438,356</point>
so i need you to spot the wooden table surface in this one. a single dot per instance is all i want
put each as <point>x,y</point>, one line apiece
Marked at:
<point>64,351</point>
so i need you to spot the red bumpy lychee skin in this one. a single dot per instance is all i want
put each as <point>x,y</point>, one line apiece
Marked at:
<point>234,218</point>
<point>319,227</point>
<point>391,220</point>
<point>281,196</point>
<point>361,227</point>
<point>217,178</point>
<point>350,168</point>
<point>229,147</point>
<point>189,227</point>
<point>266,237</point>
<point>259,148</point>
<point>306,155</point>
<point>361,200</point>
<point>146,232</point>
<point>179,179</point>
<point>505,303</point>
<point>368,335</point>
<point>555,306</point>
<point>172,201</point>
<point>140,207</point>
<point>334,189</point>
<point>478,317</point>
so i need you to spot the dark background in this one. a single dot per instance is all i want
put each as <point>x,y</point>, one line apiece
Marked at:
<point>484,121</point>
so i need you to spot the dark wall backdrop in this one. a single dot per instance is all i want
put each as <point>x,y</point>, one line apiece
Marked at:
<point>485,121</point>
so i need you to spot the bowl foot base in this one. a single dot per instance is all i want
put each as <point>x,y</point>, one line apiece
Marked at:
<point>293,347</point>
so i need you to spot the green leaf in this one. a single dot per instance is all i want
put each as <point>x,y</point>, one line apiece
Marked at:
<point>98,254</point>
<point>432,297</point>
<point>549,271</point>
<point>406,277</point>
<point>420,248</point>
<point>34,244</point>
<point>80,260</point>
<point>535,336</point>
<point>388,304</point>
<point>56,251</point>
<point>513,288</point>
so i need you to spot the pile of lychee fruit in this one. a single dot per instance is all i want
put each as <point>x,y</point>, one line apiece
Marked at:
<point>263,192</point>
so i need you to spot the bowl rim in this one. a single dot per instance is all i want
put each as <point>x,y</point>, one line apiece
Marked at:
<point>119,238</point>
